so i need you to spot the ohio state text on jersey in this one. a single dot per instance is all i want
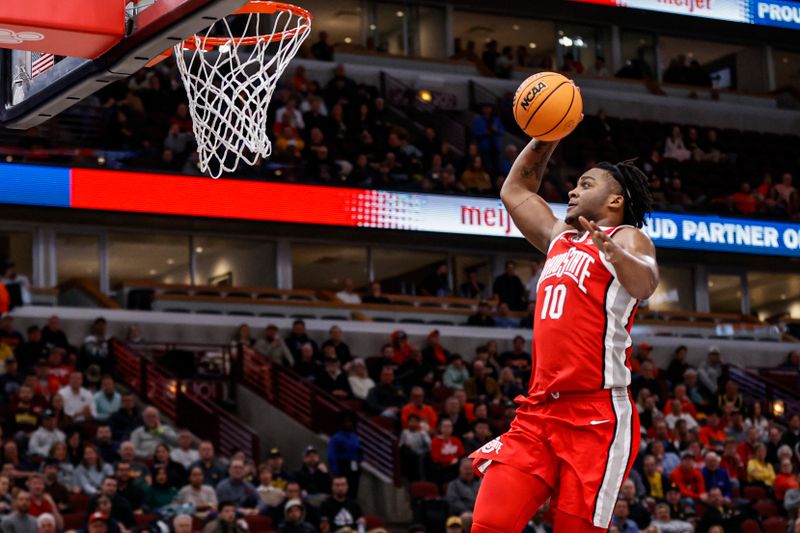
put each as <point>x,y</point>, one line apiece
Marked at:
<point>582,322</point>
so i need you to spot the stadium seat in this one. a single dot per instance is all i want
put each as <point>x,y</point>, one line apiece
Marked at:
<point>750,526</point>
<point>386,423</point>
<point>765,508</point>
<point>78,503</point>
<point>374,521</point>
<point>74,520</point>
<point>144,519</point>
<point>241,313</point>
<point>259,523</point>
<point>423,490</point>
<point>774,524</point>
<point>754,493</point>
<point>271,315</point>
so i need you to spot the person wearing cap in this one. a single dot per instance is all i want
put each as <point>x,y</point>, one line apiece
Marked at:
<point>280,477</point>
<point>42,439</point>
<point>689,480</point>
<point>677,507</point>
<point>295,518</point>
<point>20,520</point>
<point>454,525</point>
<point>313,474</point>
<point>710,371</point>
<point>330,378</point>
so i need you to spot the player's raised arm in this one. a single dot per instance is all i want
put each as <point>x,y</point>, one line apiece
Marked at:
<point>530,212</point>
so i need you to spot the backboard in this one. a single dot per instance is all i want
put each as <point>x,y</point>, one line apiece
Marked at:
<point>37,86</point>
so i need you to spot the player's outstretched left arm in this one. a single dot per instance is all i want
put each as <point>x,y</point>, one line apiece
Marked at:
<point>633,256</point>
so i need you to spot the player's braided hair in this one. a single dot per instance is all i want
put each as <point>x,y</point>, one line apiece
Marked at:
<point>635,189</point>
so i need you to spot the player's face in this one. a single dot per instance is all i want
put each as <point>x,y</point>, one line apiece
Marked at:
<point>591,197</point>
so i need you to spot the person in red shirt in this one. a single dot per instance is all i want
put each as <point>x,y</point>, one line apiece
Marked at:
<point>689,479</point>
<point>712,434</point>
<point>687,406</point>
<point>446,451</point>
<point>747,449</point>
<point>744,201</point>
<point>417,406</point>
<point>731,460</point>
<point>57,372</point>
<point>402,348</point>
<point>785,480</point>
<point>41,502</point>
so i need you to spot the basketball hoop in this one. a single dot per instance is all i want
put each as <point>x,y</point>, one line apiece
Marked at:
<point>230,80</point>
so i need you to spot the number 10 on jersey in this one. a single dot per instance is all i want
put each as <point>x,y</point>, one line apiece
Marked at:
<point>553,305</point>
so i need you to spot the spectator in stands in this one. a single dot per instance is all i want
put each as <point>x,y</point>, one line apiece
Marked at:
<point>621,518</point>
<point>298,337</point>
<point>321,50</point>
<point>787,194</point>
<point>481,386</point>
<point>184,454</point>
<point>41,502</point>
<point>339,511</point>
<point>66,470</point>
<point>385,398</point>
<point>78,401</point>
<point>714,476</point>
<point>678,365</point>
<point>331,379</point>
<point>462,491</point>
<point>416,406</point>
<point>674,147</point>
<point>107,400</point>
<point>712,435</point>
<point>456,373</point>
<point>345,452</point>
<point>56,490</point>
<point>359,380</point>
<point>482,318</point>
<point>791,500</point>
<point>571,65</point>
<point>18,285</point>
<point>243,336</point>
<point>33,349</point>
<point>236,489</point>
<point>347,294</point>
<point>475,178</point>
<point>711,371</point>
<point>294,518</point>
<point>508,288</point>
<point>336,340</point>
<point>46,523</point>
<point>599,70</point>
<point>106,447</point>
<point>785,480</point>
<point>20,520</point>
<point>91,472</point>
<point>160,492</point>
<point>8,335</point>
<point>402,348</point>
<point>53,335</point>
<point>757,419</point>
<point>152,432</point>
<point>175,471</point>
<point>198,493</point>
<point>42,440</point>
<point>182,524</point>
<point>226,520</point>
<point>744,201</point>
<point>481,435</point>
<point>662,522</point>
<point>717,513</point>
<point>438,284</point>
<point>731,396</point>
<point>759,471</point>
<point>306,366</point>
<point>446,450</point>
<point>313,475</point>
<point>272,346</point>
<point>488,131</point>
<point>375,296</point>
<point>473,288</point>
<point>434,354</point>
<point>96,347</point>
<point>791,437</point>
<point>504,65</point>
<point>415,445</point>
<point>126,418</point>
<point>504,319</point>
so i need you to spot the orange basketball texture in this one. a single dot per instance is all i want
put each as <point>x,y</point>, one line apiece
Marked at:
<point>548,106</point>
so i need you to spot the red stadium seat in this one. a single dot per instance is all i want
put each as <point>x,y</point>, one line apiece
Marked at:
<point>424,490</point>
<point>441,393</point>
<point>74,521</point>
<point>775,524</point>
<point>259,523</point>
<point>144,519</point>
<point>765,508</point>
<point>374,521</point>
<point>753,493</point>
<point>386,423</point>
<point>750,526</point>
<point>79,503</point>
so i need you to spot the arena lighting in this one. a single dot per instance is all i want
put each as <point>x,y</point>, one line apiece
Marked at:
<point>777,408</point>
<point>399,13</point>
<point>425,96</point>
<point>199,249</point>
<point>580,43</point>
<point>515,27</point>
<point>373,27</point>
<point>565,41</point>
<point>531,45</point>
<point>348,40</point>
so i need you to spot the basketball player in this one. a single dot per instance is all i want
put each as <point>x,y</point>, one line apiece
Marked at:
<point>576,434</point>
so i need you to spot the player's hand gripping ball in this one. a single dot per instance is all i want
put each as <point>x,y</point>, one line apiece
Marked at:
<point>548,106</point>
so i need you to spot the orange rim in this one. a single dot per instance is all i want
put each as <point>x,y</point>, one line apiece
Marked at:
<point>259,7</point>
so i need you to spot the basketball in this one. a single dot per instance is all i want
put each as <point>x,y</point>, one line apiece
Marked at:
<point>548,106</point>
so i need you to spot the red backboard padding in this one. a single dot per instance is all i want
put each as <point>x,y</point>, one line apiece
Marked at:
<point>75,28</point>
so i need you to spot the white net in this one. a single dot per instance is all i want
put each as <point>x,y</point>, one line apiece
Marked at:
<point>230,73</point>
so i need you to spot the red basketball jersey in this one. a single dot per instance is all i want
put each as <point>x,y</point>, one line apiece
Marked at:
<point>582,322</point>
